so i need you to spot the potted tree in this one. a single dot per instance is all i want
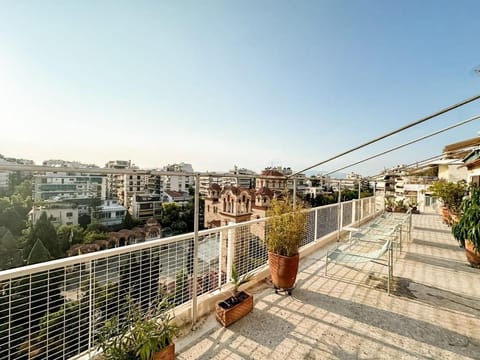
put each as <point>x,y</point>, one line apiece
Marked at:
<point>286,229</point>
<point>467,229</point>
<point>144,335</point>
<point>451,195</point>
<point>236,306</point>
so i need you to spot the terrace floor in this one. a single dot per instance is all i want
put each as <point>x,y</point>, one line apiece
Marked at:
<point>433,313</point>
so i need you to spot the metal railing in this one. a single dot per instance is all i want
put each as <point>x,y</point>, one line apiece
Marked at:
<point>54,310</point>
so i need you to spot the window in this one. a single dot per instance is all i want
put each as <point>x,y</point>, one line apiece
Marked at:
<point>69,214</point>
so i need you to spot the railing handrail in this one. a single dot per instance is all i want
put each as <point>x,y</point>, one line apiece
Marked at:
<point>84,258</point>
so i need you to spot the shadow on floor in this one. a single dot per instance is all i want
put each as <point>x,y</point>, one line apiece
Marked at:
<point>439,245</point>
<point>392,322</point>
<point>441,262</point>
<point>441,231</point>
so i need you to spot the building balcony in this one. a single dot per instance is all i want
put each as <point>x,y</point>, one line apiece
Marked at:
<point>54,310</point>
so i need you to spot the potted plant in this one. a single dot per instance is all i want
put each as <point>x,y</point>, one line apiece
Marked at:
<point>236,306</point>
<point>413,205</point>
<point>142,334</point>
<point>451,195</point>
<point>286,229</point>
<point>467,230</point>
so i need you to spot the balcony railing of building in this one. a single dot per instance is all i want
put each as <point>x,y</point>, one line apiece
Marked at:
<point>55,309</point>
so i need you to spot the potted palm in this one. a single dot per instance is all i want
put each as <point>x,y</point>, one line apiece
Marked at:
<point>144,335</point>
<point>286,229</point>
<point>236,306</point>
<point>467,229</point>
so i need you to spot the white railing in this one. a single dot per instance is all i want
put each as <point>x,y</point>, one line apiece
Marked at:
<point>53,310</point>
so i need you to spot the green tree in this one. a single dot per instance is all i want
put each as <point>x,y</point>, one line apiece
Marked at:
<point>44,231</point>
<point>128,221</point>
<point>24,189</point>
<point>69,235</point>
<point>38,254</point>
<point>9,254</point>
<point>84,220</point>
<point>95,226</point>
<point>94,235</point>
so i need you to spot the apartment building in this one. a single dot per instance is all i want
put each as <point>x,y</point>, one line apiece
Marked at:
<point>67,186</point>
<point>110,213</point>
<point>178,182</point>
<point>144,207</point>
<point>57,214</point>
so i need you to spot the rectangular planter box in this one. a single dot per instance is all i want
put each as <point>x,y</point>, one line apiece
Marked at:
<point>226,317</point>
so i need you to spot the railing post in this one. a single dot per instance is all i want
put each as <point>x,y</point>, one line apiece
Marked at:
<point>195,250</point>
<point>230,251</point>
<point>294,191</point>
<point>220,257</point>
<point>354,211</point>
<point>90,306</point>
<point>339,210</point>
<point>360,215</point>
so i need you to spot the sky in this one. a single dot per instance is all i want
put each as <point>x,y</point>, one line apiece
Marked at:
<point>223,83</point>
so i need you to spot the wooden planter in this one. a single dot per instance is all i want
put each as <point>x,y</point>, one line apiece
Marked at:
<point>473,256</point>
<point>283,270</point>
<point>167,353</point>
<point>227,316</point>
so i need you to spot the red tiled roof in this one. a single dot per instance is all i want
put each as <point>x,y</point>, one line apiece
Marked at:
<point>272,173</point>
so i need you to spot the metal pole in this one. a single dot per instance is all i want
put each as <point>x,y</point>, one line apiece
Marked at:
<point>294,191</point>
<point>339,210</point>
<point>360,213</point>
<point>195,249</point>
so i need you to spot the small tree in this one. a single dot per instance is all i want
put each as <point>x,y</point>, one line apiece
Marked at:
<point>450,193</point>
<point>44,231</point>
<point>38,254</point>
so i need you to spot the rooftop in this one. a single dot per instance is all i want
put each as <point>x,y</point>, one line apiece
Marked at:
<point>433,312</point>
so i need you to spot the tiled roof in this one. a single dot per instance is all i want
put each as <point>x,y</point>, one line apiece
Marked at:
<point>272,173</point>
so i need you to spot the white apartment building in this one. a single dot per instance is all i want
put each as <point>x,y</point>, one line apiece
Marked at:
<point>110,213</point>
<point>61,186</point>
<point>177,182</point>
<point>57,215</point>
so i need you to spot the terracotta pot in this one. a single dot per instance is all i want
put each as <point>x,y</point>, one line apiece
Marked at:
<point>473,256</point>
<point>167,353</point>
<point>283,270</point>
<point>227,317</point>
<point>445,215</point>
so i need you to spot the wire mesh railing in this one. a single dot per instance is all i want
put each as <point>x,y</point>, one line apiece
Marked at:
<point>54,310</point>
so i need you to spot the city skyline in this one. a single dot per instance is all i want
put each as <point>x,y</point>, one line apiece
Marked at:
<point>216,84</point>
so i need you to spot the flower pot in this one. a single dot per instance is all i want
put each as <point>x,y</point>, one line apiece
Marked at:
<point>229,310</point>
<point>167,353</point>
<point>473,256</point>
<point>283,270</point>
<point>445,215</point>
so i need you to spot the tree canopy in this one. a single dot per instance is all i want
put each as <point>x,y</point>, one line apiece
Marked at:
<point>38,254</point>
<point>44,231</point>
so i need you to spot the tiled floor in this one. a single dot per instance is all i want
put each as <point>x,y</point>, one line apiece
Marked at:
<point>433,314</point>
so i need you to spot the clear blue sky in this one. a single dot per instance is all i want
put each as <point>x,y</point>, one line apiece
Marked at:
<point>218,83</point>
